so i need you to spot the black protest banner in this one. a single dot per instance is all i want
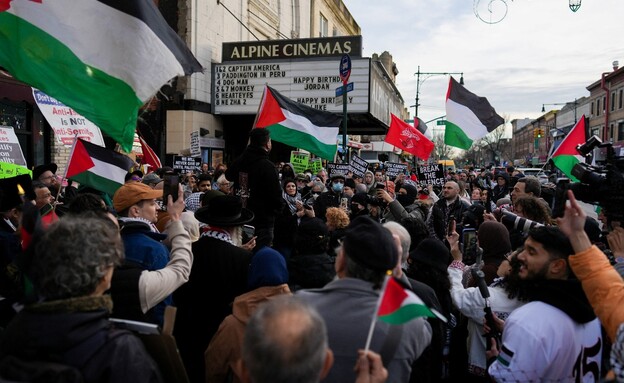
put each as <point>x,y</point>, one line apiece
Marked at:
<point>183,164</point>
<point>334,168</point>
<point>358,166</point>
<point>393,169</point>
<point>431,175</point>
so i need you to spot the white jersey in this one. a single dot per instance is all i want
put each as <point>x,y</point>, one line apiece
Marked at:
<point>543,344</point>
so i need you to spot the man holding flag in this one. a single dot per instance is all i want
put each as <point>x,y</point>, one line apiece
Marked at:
<point>348,305</point>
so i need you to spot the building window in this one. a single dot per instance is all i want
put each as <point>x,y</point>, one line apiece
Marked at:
<point>596,131</point>
<point>612,101</point>
<point>335,32</point>
<point>620,99</point>
<point>591,109</point>
<point>620,136</point>
<point>604,104</point>
<point>597,107</point>
<point>324,27</point>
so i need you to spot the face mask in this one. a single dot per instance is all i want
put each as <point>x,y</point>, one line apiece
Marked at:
<point>355,207</point>
<point>337,187</point>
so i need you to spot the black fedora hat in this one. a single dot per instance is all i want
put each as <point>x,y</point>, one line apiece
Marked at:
<point>224,211</point>
<point>39,170</point>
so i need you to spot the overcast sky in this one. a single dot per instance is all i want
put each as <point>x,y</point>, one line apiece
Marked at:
<point>541,52</point>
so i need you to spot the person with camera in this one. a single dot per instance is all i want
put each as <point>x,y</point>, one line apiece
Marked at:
<point>405,204</point>
<point>503,296</point>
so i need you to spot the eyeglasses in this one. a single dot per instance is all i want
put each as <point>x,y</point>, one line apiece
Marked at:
<point>338,181</point>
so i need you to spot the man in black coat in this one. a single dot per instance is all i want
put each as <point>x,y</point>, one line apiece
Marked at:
<point>257,183</point>
<point>218,275</point>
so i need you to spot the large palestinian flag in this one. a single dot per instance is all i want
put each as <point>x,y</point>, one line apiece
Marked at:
<point>97,167</point>
<point>102,58</point>
<point>298,125</point>
<point>468,116</point>
<point>566,155</point>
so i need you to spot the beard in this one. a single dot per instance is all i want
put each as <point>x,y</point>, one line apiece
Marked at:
<point>237,235</point>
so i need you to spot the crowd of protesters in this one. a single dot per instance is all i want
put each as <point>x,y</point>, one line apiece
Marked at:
<point>276,276</point>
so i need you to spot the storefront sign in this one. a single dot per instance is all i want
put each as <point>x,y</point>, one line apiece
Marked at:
<point>289,49</point>
<point>238,87</point>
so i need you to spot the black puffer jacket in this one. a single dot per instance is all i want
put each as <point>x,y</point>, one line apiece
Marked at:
<point>263,187</point>
<point>77,332</point>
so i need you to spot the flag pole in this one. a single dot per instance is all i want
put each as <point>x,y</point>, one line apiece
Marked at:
<point>260,105</point>
<point>374,321</point>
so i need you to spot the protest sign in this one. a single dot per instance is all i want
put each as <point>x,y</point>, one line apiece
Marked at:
<point>65,122</point>
<point>299,161</point>
<point>393,169</point>
<point>358,166</point>
<point>333,168</point>
<point>195,147</point>
<point>431,175</point>
<point>186,164</point>
<point>10,149</point>
<point>315,164</point>
<point>10,170</point>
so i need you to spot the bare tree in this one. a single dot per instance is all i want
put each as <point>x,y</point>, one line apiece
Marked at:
<point>497,144</point>
<point>441,150</point>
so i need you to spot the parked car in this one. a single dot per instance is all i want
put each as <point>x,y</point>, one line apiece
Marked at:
<point>540,173</point>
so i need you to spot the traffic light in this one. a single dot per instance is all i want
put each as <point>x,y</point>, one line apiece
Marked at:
<point>535,133</point>
<point>540,133</point>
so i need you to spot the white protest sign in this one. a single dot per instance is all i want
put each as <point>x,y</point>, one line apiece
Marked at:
<point>65,122</point>
<point>10,149</point>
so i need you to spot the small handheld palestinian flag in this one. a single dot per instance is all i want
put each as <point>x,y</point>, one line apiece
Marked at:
<point>397,305</point>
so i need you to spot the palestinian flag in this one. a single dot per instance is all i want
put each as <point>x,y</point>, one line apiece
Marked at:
<point>400,305</point>
<point>102,58</point>
<point>97,167</point>
<point>422,127</point>
<point>566,155</point>
<point>468,116</point>
<point>298,125</point>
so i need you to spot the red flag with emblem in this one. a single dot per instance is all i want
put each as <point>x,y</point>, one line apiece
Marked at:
<point>407,138</point>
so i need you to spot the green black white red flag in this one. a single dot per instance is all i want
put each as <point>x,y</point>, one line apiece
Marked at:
<point>566,155</point>
<point>468,116</point>
<point>97,167</point>
<point>298,125</point>
<point>102,58</point>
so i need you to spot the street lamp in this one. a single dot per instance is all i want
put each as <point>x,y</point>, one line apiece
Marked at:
<point>429,74</point>
<point>575,102</point>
